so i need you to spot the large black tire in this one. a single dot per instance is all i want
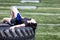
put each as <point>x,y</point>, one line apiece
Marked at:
<point>26,33</point>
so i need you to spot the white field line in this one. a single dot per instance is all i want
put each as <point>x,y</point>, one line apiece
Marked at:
<point>47,14</point>
<point>56,14</point>
<point>44,33</point>
<point>40,14</point>
<point>5,7</point>
<point>38,8</point>
<point>49,24</point>
<point>19,2</point>
<point>9,3</point>
<point>48,8</point>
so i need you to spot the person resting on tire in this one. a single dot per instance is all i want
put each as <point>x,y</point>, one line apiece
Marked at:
<point>16,20</point>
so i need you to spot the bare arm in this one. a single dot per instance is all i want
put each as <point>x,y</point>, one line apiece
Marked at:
<point>18,26</point>
<point>23,25</point>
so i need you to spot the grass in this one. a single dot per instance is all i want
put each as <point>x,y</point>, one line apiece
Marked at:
<point>47,19</point>
<point>47,32</point>
<point>41,19</point>
<point>29,4</point>
<point>43,3</point>
<point>9,1</point>
<point>43,32</point>
<point>38,10</point>
<point>47,37</point>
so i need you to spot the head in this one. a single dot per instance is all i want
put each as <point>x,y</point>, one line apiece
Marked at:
<point>32,23</point>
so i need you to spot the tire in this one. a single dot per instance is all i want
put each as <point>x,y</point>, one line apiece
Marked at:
<point>26,33</point>
<point>4,25</point>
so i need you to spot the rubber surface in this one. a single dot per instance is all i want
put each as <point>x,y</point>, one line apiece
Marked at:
<point>26,33</point>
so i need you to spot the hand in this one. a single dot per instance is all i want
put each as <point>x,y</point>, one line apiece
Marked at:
<point>12,28</point>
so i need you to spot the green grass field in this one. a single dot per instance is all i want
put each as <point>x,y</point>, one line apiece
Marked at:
<point>44,14</point>
<point>43,32</point>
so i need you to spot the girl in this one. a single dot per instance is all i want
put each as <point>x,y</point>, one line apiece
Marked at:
<point>16,20</point>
